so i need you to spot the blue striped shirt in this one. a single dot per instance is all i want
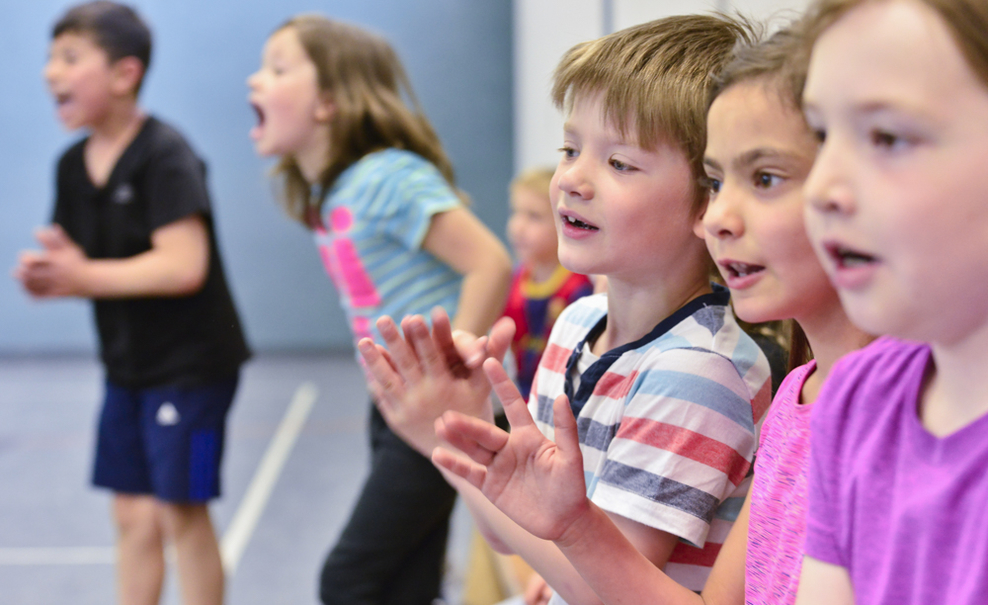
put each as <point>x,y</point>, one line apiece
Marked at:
<point>374,221</point>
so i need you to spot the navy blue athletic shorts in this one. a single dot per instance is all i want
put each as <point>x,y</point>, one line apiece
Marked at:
<point>166,441</point>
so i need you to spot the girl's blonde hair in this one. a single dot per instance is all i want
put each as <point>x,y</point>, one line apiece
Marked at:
<point>967,21</point>
<point>375,108</point>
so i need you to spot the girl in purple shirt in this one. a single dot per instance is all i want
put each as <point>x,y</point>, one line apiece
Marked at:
<point>897,92</point>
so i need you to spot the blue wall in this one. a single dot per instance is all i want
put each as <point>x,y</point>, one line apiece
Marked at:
<point>458,55</point>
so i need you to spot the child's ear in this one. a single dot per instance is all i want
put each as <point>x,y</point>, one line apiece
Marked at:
<point>326,108</point>
<point>698,229</point>
<point>127,74</point>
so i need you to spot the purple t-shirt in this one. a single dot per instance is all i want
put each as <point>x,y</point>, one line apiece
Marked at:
<point>905,512</point>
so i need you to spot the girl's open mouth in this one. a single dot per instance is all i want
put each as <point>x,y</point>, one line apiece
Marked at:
<point>848,258</point>
<point>739,269</point>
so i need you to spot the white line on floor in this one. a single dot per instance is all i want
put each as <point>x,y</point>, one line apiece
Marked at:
<point>58,556</point>
<point>256,498</point>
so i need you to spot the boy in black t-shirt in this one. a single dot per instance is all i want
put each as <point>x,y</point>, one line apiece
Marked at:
<point>132,230</point>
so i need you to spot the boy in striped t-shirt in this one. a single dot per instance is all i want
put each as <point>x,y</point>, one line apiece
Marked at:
<point>667,390</point>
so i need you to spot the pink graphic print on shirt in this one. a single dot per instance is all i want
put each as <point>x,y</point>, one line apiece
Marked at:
<point>342,262</point>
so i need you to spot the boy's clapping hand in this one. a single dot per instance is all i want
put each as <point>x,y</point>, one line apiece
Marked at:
<point>537,483</point>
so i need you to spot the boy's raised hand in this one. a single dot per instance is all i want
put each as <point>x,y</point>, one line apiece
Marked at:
<point>537,483</point>
<point>420,376</point>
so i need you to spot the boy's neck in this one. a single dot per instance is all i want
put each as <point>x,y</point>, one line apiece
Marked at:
<point>108,139</point>
<point>120,125</point>
<point>633,310</point>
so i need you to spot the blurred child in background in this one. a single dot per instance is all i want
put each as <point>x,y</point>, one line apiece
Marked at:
<point>133,231</point>
<point>363,169</point>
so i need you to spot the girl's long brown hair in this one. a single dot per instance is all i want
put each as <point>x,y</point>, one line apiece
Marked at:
<point>375,109</point>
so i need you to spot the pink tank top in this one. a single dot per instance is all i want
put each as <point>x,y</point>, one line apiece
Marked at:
<point>777,519</point>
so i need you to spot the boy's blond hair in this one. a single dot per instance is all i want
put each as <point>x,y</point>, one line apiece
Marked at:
<point>534,179</point>
<point>654,81</point>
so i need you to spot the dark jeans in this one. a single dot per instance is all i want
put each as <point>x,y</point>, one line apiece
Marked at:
<point>393,548</point>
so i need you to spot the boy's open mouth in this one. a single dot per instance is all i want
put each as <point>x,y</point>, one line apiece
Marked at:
<point>62,98</point>
<point>739,269</point>
<point>575,222</point>
<point>846,258</point>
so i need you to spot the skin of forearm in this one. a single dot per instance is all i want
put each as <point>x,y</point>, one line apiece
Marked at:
<point>617,571</point>
<point>148,274</point>
<point>542,555</point>
<point>483,294</point>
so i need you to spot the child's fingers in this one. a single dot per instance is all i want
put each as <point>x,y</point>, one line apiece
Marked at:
<point>52,237</point>
<point>442,336</point>
<point>401,354</point>
<point>514,406</point>
<point>500,338</point>
<point>477,439</point>
<point>387,356</point>
<point>473,349</point>
<point>417,333</point>
<point>389,383</point>
<point>566,435</point>
<point>471,471</point>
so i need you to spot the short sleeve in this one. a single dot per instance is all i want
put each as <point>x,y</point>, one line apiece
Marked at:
<point>422,192</point>
<point>823,505</point>
<point>684,444</point>
<point>175,183</point>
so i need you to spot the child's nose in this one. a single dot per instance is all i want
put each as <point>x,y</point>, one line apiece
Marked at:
<point>826,188</point>
<point>721,219</point>
<point>574,179</point>
<point>48,71</point>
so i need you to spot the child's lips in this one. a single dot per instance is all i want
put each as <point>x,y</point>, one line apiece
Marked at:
<point>576,221</point>
<point>850,268</point>
<point>739,274</point>
<point>845,257</point>
<point>574,227</point>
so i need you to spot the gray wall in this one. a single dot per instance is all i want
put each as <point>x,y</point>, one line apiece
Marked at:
<point>458,55</point>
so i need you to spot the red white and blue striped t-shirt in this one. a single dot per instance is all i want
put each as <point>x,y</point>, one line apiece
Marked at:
<point>668,424</point>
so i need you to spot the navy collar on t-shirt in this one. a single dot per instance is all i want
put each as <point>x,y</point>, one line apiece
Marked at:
<point>588,380</point>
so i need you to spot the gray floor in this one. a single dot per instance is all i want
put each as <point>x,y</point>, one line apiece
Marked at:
<point>55,534</point>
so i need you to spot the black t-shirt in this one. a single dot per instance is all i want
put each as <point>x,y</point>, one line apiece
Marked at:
<point>146,342</point>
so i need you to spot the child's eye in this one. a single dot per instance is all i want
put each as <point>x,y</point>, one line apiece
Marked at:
<point>820,135</point>
<point>568,152</point>
<point>764,180</point>
<point>881,138</point>
<point>621,166</point>
<point>710,184</point>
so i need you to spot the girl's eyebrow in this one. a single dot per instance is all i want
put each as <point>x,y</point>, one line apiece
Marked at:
<point>750,157</point>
